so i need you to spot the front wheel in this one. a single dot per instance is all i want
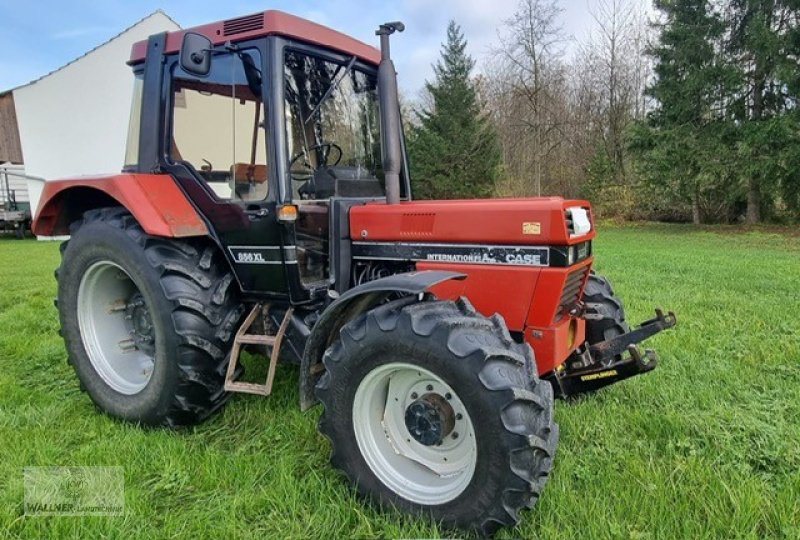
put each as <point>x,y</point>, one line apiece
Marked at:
<point>610,321</point>
<point>432,408</point>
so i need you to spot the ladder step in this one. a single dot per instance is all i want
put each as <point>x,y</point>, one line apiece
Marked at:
<point>251,339</point>
<point>242,338</point>
<point>247,388</point>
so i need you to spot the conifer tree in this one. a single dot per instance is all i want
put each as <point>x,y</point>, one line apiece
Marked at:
<point>764,38</point>
<point>684,139</point>
<point>453,150</point>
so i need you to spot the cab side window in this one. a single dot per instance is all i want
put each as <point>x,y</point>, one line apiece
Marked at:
<point>218,126</point>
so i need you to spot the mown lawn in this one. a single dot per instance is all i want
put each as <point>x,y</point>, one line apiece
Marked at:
<point>707,446</point>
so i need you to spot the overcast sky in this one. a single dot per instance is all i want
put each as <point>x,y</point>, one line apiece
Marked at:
<point>38,36</point>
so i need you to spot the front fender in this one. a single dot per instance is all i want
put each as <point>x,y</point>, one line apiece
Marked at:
<point>348,306</point>
<point>155,200</point>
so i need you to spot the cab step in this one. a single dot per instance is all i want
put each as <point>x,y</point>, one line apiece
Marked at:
<point>245,337</point>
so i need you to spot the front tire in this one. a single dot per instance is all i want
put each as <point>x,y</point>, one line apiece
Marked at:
<point>147,321</point>
<point>432,408</point>
<point>600,294</point>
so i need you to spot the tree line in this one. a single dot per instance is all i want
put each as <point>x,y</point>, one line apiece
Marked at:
<point>687,112</point>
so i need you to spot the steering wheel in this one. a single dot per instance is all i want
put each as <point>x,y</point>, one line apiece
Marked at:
<point>308,172</point>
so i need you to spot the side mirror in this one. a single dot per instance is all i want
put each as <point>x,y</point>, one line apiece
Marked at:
<point>196,54</point>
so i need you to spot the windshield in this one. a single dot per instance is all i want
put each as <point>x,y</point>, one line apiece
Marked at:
<point>332,125</point>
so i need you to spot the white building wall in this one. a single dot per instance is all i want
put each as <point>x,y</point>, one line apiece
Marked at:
<point>74,121</point>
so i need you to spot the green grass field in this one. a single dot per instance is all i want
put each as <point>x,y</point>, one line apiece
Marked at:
<point>707,446</point>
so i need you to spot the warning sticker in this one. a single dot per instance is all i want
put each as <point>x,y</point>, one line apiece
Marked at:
<point>531,227</point>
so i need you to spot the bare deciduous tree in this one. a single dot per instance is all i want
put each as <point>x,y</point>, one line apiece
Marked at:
<point>528,81</point>
<point>615,62</point>
<point>554,114</point>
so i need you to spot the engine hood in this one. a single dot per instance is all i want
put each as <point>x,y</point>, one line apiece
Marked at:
<point>535,221</point>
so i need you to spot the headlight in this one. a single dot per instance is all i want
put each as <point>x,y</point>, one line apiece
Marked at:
<point>580,220</point>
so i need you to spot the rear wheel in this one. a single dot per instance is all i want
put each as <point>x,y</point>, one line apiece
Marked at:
<point>432,408</point>
<point>116,327</point>
<point>147,321</point>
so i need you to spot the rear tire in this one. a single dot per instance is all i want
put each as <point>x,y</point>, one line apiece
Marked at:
<point>177,301</point>
<point>501,443</point>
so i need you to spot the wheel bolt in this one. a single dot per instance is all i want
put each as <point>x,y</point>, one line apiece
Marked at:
<point>429,388</point>
<point>414,395</point>
<point>455,434</point>
<point>459,416</point>
<point>448,396</point>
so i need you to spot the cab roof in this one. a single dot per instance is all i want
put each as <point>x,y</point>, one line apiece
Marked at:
<point>267,23</point>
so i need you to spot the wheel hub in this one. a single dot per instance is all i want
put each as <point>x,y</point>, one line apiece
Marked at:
<point>138,316</point>
<point>414,432</point>
<point>116,327</point>
<point>430,419</point>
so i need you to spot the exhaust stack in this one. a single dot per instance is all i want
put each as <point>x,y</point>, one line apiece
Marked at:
<point>390,113</point>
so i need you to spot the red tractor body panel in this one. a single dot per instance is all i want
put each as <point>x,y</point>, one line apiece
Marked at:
<point>511,293</point>
<point>528,297</point>
<point>264,24</point>
<point>481,221</point>
<point>157,203</point>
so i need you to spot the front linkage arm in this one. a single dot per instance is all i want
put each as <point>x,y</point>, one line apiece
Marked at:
<point>602,369</point>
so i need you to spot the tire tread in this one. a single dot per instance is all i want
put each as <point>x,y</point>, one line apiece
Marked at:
<point>205,312</point>
<point>523,402</point>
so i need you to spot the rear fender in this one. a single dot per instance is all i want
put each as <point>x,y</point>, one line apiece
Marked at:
<point>157,203</point>
<point>350,305</point>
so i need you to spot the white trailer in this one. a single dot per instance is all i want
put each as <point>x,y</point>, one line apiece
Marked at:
<point>15,202</point>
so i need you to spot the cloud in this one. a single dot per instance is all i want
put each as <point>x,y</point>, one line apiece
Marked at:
<point>77,31</point>
<point>426,24</point>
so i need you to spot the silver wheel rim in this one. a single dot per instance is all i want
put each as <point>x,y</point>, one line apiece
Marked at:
<point>109,305</point>
<point>423,474</point>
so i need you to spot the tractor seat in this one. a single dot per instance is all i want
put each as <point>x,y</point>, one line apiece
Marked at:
<point>245,173</point>
<point>250,181</point>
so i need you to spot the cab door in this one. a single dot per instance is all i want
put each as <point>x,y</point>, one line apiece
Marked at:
<point>217,148</point>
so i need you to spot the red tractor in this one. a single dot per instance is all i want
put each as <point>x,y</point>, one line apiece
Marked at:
<point>266,202</point>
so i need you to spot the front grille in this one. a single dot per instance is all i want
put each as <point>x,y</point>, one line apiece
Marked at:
<point>243,24</point>
<point>571,294</point>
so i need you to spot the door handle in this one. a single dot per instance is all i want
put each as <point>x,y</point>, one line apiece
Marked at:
<point>255,211</point>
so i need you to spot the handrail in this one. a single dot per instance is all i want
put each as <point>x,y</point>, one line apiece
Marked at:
<point>8,196</point>
<point>19,175</point>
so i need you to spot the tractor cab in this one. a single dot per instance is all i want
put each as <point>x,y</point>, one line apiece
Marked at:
<point>266,131</point>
